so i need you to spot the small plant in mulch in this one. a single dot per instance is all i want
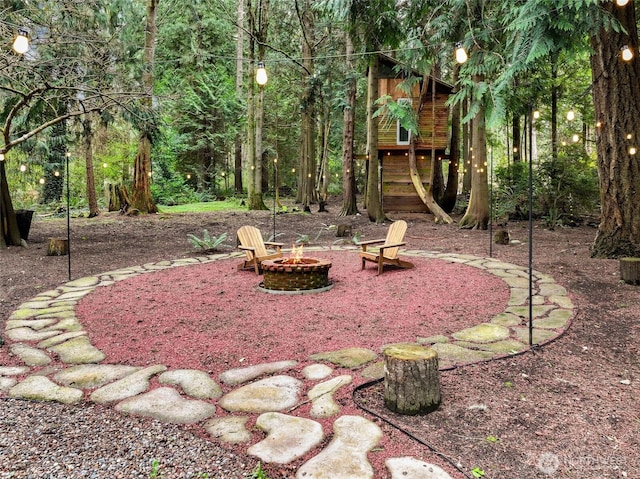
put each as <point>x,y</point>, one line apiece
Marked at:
<point>207,242</point>
<point>258,473</point>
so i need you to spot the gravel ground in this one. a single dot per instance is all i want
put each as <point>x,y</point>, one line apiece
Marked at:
<point>56,441</point>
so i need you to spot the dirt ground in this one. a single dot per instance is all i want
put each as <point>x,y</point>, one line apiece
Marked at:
<point>568,409</point>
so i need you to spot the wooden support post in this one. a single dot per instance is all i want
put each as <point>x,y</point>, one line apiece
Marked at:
<point>411,379</point>
<point>58,247</point>
<point>630,270</point>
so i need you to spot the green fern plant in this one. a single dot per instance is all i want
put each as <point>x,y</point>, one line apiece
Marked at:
<point>207,242</point>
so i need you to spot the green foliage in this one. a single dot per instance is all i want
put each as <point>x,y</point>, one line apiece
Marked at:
<point>564,187</point>
<point>207,242</point>
<point>258,473</point>
<point>477,472</point>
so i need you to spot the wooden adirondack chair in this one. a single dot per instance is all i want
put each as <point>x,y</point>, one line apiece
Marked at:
<point>387,253</point>
<point>251,242</point>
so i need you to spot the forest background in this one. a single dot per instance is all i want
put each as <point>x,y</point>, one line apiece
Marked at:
<point>159,98</point>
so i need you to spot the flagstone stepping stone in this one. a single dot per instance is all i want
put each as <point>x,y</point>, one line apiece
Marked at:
<point>72,293</point>
<point>193,382</point>
<point>28,334</point>
<point>36,324</point>
<point>236,376</point>
<point>78,351</point>
<point>562,301</point>
<point>27,313</point>
<point>558,318</point>
<point>68,324</point>
<point>276,393</point>
<point>230,429</point>
<point>346,358</point>
<point>518,296</point>
<point>452,353</point>
<point>85,282</point>
<point>6,383</point>
<point>373,371</point>
<point>536,310</point>
<point>483,333</point>
<point>411,468</point>
<point>288,437</point>
<point>89,376</point>
<point>321,395</point>
<point>507,346</point>
<point>315,372</point>
<point>552,289</point>
<point>506,319</point>
<point>539,335</point>
<point>60,338</point>
<point>13,370</point>
<point>41,388</point>
<point>167,405</point>
<point>346,454</point>
<point>30,356</point>
<point>67,312</point>
<point>439,338</point>
<point>134,383</point>
<point>521,283</point>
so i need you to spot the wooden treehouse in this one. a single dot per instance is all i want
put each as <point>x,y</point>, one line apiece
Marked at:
<point>399,194</point>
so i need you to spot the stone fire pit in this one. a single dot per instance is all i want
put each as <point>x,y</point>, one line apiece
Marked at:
<point>295,275</point>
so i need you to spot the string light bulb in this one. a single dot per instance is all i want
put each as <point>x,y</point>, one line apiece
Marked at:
<point>632,150</point>
<point>21,42</point>
<point>571,115</point>
<point>461,54</point>
<point>626,53</point>
<point>536,114</point>
<point>23,168</point>
<point>575,138</point>
<point>261,74</point>
<point>1,156</point>
<point>622,3</point>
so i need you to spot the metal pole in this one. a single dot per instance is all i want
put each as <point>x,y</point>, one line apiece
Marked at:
<point>491,203</point>
<point>68,220</point>
<point>530,229</point>
<point>275,195</point>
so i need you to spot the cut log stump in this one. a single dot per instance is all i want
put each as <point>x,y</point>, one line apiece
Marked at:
<point>411,379</point>
<point>630,270</point>
<point>58,247</point>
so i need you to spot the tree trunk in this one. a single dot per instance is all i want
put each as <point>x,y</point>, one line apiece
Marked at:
<point>411,379</point>
<point>239,84</point>
<point>554,107</point>
<point>258,24</point>
<point>517,144</point>
<point>141,198</point>
<point>373,201</point>
<point>466,153</point>
<point>477,214</point>
<point>88,155</point>
<point>617,108</point>
<point>349,203</point>
<point>448,202</point>
<point>308,107</point>
<point>54,167</point>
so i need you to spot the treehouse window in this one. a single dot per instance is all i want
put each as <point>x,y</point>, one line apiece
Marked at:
<point>403,135</point>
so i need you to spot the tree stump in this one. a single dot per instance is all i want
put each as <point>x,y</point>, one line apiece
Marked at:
<point>411,379</point>
<point>630,270</point>
<point>58,247</point>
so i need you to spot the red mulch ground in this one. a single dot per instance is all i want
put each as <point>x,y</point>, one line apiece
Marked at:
<point>213,317</point>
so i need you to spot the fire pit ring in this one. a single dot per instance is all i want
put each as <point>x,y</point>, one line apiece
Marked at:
<point>295,276</point>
